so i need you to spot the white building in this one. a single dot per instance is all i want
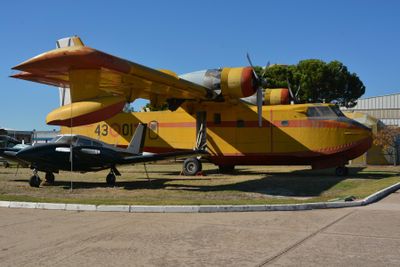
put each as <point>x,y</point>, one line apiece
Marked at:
<point>385,108</point>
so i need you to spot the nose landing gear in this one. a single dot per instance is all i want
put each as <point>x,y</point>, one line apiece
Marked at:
<point>110,179</point>
<point>35,180</point>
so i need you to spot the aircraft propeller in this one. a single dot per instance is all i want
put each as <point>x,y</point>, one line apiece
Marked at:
<point>261,82</point>
<point>293,96</point>
<point>290,90</point>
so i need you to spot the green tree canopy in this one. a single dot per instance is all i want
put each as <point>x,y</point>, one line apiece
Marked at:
<point>316,81</point>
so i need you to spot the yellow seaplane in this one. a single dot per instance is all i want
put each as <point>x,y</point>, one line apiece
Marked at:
<point>224,110</point>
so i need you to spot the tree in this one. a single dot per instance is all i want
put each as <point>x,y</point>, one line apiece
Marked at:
<point>317,81</point>
<point>389,139</point>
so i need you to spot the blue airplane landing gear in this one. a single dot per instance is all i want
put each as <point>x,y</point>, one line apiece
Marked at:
<point>35,180</point>
<point>110,179</point>
<point>49,178</point>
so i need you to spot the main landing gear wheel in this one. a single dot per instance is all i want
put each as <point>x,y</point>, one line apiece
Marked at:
<point>226,168</point>
<point>342,171</point>
<point>110,179</point>
<point>34,181</point>
<point>191,166</point>
<point>49,178</point>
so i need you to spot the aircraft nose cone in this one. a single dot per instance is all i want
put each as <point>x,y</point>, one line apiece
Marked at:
<point>26,154</point>
<point>359,133</point>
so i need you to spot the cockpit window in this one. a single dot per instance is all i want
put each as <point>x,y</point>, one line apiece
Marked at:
<point>337,111</point>
<point>55,139</point>
<point>66,139</point>
<point>324,112</point>
<point>83,142</point>
<point>312,112</point>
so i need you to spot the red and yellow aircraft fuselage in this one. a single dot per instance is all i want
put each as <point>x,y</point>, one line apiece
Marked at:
<point>302,134</point>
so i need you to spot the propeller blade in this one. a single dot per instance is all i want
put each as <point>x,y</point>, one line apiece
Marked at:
<point>297,92</point>
<point>260,83</point>
<point>265,69</point>
<point>252,67</point>
<point>290,90</point>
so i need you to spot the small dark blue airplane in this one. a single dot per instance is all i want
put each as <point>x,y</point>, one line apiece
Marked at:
<point>87,155</point>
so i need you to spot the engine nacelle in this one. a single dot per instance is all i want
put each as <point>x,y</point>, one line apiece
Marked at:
<point>238,82</point>
<point>278,96</point>
<point>228,82</point>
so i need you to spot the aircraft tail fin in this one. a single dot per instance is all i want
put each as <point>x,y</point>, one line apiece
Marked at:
<point>65,94</point>
<point>69,41</point>
<point>137,142</point>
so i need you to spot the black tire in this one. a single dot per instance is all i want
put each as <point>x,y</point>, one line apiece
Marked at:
<point>191,166</point>
<point>49,178</point>
<point>341,171</point>
<point>226,168</point>
<point>110,179</point>
<point>34,181</point>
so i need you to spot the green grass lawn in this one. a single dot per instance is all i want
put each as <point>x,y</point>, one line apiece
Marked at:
<point>247,185</point>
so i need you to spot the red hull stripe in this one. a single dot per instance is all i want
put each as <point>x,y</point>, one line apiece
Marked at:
<point>254,124</point>
<point>177,124</point>
<point>310,153</point>
<point>337,157</point>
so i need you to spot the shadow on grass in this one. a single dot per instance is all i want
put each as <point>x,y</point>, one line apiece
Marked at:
<point>128,185</point>
<point>354,173</point>
<point>299,183</point>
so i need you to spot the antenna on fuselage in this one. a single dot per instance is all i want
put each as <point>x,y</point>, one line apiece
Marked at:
<point>65,93</point>
<point>70,149</point>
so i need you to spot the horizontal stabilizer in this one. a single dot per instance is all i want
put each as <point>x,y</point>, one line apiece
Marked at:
<point>162,156</point>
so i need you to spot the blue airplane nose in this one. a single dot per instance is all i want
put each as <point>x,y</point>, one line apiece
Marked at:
<point>26,154</point>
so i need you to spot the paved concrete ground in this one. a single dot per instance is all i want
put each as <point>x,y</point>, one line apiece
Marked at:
<point>367,236</point>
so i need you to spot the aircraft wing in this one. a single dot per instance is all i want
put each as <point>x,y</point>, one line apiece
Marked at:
<point>10,154</point>
<point>161,156</point>
<point>101,84</point>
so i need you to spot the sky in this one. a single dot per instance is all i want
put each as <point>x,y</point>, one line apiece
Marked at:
<point>186,36</point>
